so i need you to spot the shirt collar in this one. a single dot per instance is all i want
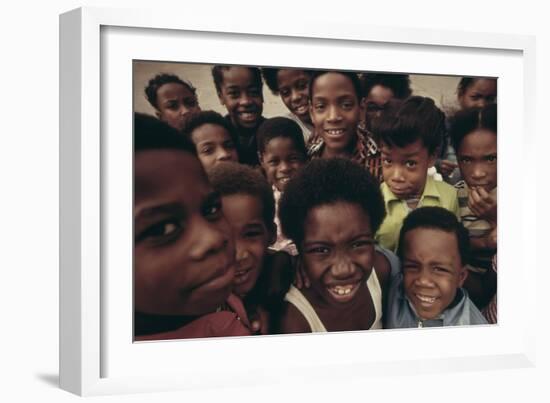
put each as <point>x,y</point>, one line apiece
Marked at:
<point>430,190</point>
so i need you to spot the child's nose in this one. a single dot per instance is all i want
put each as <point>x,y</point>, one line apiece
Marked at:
<point>209,240</point>
<point>224,155</point>
<point>424,279</point>
<point>478,171</point>
<point>342,267</point>
<point>397,174</point>
<point>333,114</point>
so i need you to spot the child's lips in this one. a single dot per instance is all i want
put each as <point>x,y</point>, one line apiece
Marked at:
<point>248,116</point>
<point>343,292</point>
<point>242,275</point>
<point>426,301</point>
<point>301,109</point>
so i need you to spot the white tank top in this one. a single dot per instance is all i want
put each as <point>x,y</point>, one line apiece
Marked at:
<point>296,298</point>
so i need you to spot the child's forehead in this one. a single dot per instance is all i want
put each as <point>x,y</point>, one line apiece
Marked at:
<point>416,148</point>
<point>247,205</point>
<point>238,73</point>
<point>332,83</point>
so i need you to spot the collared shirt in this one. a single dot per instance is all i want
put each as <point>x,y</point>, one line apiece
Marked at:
<point>401,312</point>
<point>435,193</point>
<point>365,152</point>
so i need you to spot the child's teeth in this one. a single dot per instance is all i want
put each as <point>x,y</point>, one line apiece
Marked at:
<point>342,290</point>
<point>426,299</point>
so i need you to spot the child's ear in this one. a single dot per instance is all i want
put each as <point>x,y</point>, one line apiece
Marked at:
<point>462,276</point>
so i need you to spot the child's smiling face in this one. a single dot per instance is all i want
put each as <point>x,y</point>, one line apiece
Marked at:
<point>214,145</point>
<point>293,88</point>
<point>405,169</point>
<point>477,159</point>
<point>183,253</point>
<point>242,96</point>
<point>338,250</point>
<point>281,161</point>
<point>174,102</point>
<point>335,110</point>
<point>432,270</point>
<point>251,235</point>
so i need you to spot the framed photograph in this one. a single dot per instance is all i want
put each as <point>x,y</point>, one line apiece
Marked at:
<point>102,52</point>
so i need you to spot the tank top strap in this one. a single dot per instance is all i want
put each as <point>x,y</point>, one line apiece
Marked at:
<point>296,298</point>
<point>376,294</point>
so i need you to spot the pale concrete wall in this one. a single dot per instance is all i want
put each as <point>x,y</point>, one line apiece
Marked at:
<point>441,88</point>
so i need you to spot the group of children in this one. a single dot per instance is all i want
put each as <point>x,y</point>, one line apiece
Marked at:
<point>330,218</point>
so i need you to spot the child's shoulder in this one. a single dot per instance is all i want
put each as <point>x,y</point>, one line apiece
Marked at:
<point>292,320</point>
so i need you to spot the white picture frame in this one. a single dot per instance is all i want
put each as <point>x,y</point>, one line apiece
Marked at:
<point>97,355</point>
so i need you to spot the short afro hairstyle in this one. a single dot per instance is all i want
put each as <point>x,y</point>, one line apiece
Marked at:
<point>404,122</point>
<point>217,75</point>
<point>198,119</point>
<point>400,84</point>
<point>158,81</point>
<point>152,134</point>
<point>468,120</point>
<point>280,127</point>
<point>436,218</point>
<point>354,78</point>
<point>270,77</point>
<point>328,181</point>
<point>230,178</point>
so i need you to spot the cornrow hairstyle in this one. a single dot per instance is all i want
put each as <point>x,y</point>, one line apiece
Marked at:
<point>158,81</point>
<point>217,75</point>
<point>404,122</point>
<point>153,134</point>
<point>399,84</point>
<point>354,78</point>
<point>468,120</point>
<point>229,178</point>
<point>435,218</point>
<point>327,181</point>
<point>280,127</point>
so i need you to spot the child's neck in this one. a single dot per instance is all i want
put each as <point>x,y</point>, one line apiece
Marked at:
<point>343,153</point>
<point>357,314</point>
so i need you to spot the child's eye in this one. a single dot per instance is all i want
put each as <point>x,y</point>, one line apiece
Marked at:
<point>301,85</point>
<point>318,250</point>
<point>163,231</point>
<point>273,163</point>
<point>190,102</point>
<point>410,164</point>
<point>207,150</point>
<point>233,94</point>
<point>254,92</point>
<point>410,268</point>
<point>319,107</point>
<point>441,270</point>
<point>347,105</point>
<point>491,158</point>
<point>253,234</point>
<point>361,243</point>
<point>475,97</point>
<point>284,92</point>
<point>212,211</point>
<point>465,160</point>
<point>386,161</point>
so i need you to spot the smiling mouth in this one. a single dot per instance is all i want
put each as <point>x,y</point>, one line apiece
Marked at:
<point>344,292</point>
<point>335,132</point>
<point>301,109</point>
<point>425,300</point>
<point>241,275</point>
<point>248,116</point>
